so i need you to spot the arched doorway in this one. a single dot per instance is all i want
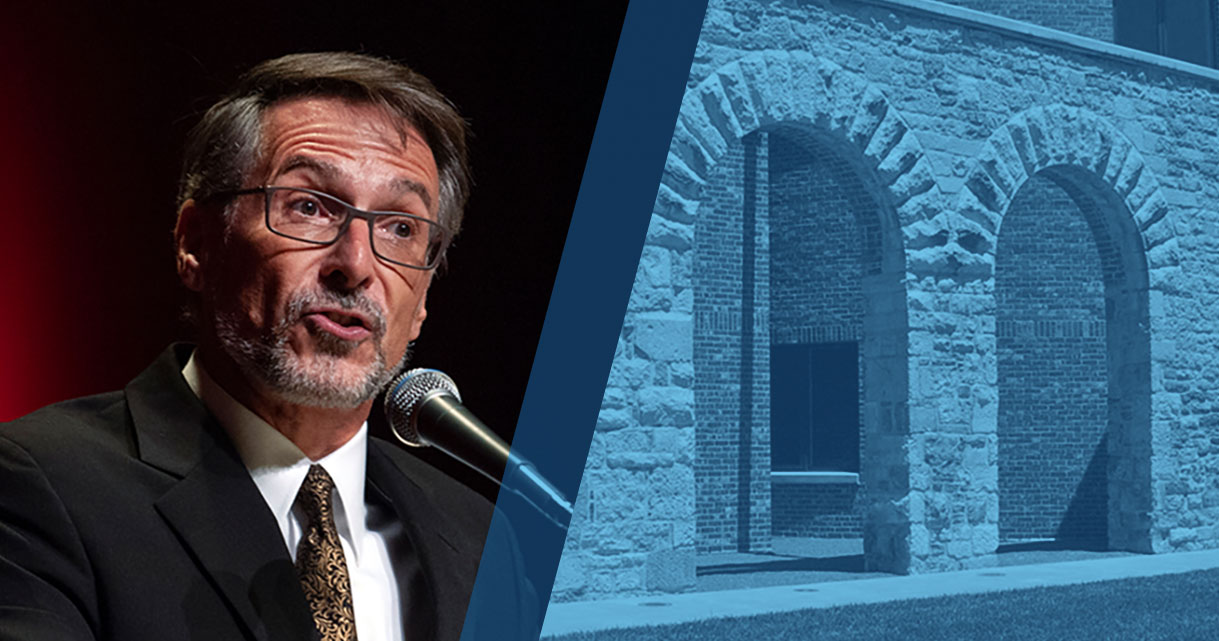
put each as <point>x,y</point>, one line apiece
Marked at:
<point>1073,362</point>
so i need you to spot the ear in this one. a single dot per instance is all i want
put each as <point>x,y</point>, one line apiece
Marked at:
<point>419,317</point>
<point>189,239</point>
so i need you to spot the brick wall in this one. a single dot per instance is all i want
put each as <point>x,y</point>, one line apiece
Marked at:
<point>732,350</point>
<point>823,511</point>
<point>824,239</point>
<point>1091,18</point>
<point>1053,373</point>
<point>816,247</point>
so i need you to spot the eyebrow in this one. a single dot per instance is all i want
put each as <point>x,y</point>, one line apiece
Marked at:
<point>332,173</point>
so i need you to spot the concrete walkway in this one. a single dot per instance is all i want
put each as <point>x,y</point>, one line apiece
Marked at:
<point>567,618</point>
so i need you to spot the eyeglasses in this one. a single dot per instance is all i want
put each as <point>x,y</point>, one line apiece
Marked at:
<point>314,217</point>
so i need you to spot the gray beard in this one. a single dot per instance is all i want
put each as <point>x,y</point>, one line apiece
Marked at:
<point>270,360</point>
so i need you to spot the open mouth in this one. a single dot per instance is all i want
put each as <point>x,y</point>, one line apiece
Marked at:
<point>346,320</point>
<point>341,323</point>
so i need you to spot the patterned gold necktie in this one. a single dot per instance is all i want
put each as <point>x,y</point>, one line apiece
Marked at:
<point>320,563</point>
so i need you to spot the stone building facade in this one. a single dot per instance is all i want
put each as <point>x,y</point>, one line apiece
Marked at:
<point>923,275</point>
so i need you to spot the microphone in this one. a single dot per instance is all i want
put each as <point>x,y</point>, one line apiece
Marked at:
<point>424,409</point>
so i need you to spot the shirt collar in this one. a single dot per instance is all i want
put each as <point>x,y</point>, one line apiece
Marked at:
<point>278,466</point>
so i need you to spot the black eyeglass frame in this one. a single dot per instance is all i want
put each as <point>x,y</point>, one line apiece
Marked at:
<point>351,212</point>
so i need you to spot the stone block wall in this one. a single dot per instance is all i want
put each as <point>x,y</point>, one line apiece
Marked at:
<point>948,119</point>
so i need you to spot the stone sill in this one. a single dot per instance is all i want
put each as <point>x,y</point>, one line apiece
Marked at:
<point>1038,33</point>
<point>814,478</point>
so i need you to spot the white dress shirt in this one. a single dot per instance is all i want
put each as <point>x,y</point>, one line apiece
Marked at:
<point>278,468</point>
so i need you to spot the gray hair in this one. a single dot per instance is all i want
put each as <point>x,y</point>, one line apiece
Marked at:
<point>225,146</point>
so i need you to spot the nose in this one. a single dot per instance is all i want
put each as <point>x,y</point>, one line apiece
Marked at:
<point>350,262</point>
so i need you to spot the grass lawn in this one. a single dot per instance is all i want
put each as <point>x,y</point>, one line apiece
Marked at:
<point>1176,606</point>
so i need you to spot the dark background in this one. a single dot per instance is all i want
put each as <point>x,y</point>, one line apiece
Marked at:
<point>97,100</point>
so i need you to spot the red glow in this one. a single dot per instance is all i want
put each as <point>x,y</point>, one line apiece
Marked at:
<point>31,310</point>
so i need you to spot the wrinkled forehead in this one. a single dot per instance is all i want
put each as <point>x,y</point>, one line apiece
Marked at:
<point>358,132</point>
<point>379,116</point>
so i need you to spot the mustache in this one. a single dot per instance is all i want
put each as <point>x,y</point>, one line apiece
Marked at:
<point>348,301</point>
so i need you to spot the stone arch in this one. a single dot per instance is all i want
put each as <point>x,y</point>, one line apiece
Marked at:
<point>1062,136</point>
<point>1125,208</point>
<point>780,91</point>
<point>771,88</point>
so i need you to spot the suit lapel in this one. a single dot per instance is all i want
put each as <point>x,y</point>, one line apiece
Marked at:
<point>215,508</point>
<point>446,571</point>
<point>219,514</point>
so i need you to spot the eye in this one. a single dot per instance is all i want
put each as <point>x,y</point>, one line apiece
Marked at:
<point>398,228</point>
<point>402,228</point>
<point>304,205</point>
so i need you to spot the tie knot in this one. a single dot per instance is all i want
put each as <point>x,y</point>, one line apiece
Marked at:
<point>314,495</point>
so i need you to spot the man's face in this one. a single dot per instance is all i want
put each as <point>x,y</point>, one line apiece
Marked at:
<point>323,326</point>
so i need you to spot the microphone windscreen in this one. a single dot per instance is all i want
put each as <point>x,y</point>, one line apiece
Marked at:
<point>406,393</point>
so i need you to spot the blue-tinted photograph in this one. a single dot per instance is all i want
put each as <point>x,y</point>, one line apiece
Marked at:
<point>922,341</point>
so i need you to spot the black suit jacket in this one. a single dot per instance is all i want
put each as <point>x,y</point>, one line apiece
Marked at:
<point>129,515</point>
